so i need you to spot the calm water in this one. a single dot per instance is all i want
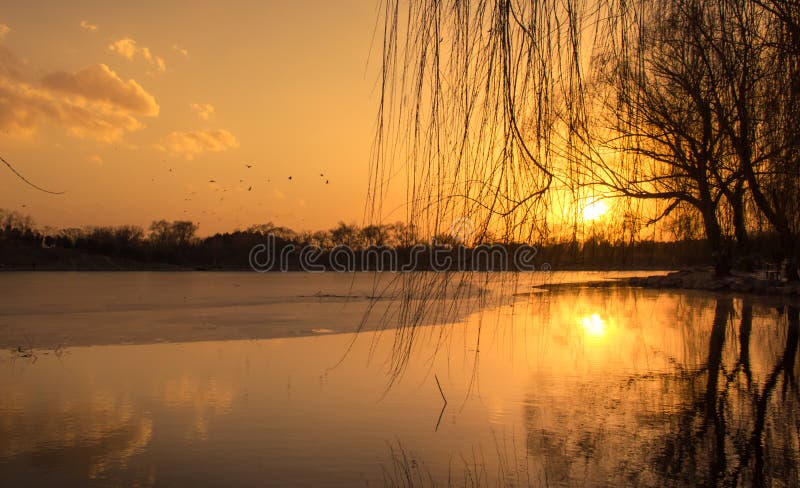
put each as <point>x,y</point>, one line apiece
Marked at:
<point>252,380</point>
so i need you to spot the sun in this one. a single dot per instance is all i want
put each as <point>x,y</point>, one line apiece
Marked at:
<point>594,209</point>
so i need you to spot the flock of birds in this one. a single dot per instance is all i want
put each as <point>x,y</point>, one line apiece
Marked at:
<point>187,198</point>
<point>250,187</point>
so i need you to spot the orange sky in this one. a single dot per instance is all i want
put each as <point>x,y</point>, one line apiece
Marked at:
<point>132,108</point>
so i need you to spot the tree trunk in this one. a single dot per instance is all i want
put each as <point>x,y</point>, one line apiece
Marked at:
<point>739,224</point>
<point>719,252</point>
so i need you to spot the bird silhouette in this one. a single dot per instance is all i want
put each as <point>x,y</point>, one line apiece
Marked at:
<point>250,188</point>
<point>326,182</point>
<point>249,166</point>
<point>212,181</point>
<point>290,177</point>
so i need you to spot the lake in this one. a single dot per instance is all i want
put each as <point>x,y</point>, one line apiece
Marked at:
<point>298,379</point>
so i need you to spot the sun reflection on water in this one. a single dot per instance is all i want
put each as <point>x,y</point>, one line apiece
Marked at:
<point>593,325</point>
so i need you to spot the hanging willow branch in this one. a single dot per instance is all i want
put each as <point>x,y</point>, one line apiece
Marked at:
<point>30,183</point>
<point>484,109</point>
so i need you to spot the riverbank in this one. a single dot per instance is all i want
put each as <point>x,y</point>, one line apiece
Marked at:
<point>691,279</point>
<point>702,279</point>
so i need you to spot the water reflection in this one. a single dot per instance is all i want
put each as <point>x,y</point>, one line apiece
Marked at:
<point>580,386</point>
<point>723,413</point>
<point>594,326</point>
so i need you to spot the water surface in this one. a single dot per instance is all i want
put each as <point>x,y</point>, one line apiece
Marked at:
<point>252,380</point>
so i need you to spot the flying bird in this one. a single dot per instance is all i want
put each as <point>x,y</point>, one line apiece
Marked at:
<point>250,188</point>
<point>290,177</point>
<point>212,181</point>
<point>249,166</point>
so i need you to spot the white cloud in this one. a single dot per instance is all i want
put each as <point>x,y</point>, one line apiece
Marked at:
<point>4,30</point>
<point>124,47</point>
<point>129,49</point>
<point>100,83</point>
<point>204,110</point>
<point>94,102</point>
<point>85,24</point>
<point>193,143</point>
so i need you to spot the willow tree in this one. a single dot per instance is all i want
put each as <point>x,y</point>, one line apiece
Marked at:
<point>482,106</point>
<point>665,138</point>
<point>488,108</point>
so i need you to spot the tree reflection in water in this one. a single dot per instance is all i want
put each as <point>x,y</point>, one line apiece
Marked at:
<point>721,424</point>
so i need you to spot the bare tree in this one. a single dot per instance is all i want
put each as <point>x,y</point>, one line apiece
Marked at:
<point>488,112</point>
<point>666,141</point>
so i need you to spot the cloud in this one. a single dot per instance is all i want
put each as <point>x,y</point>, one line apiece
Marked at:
<point>124,47</point>
<point>85,24</point>
<point>129,49</point>
<point>100,83</point>
<point>4,30</point>
<point>93,102</point>
<point>193,143</point>
<point>24,107</point>
<point>204,110</point>
<point>181,50</point>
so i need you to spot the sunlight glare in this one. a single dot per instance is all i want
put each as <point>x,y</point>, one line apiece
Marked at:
<point>594,325</point>
<point>594,209</point>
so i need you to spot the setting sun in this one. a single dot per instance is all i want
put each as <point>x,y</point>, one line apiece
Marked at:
<point>594,209</point>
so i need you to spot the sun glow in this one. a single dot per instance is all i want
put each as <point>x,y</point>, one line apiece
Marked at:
<point>594,209</point>
<point>593,325</point>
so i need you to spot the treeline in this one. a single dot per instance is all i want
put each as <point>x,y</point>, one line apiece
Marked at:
<point>175,244</point>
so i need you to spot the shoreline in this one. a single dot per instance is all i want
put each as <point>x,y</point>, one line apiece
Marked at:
<point>697,280</point>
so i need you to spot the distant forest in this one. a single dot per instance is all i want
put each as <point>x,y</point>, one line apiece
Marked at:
<point>175,246</point>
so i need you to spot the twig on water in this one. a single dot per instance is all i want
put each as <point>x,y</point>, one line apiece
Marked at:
<point>441,414</point>
<point>440,389</point>
<point>444,406</point>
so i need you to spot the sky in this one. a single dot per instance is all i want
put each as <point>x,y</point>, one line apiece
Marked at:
<point>152,110</point>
